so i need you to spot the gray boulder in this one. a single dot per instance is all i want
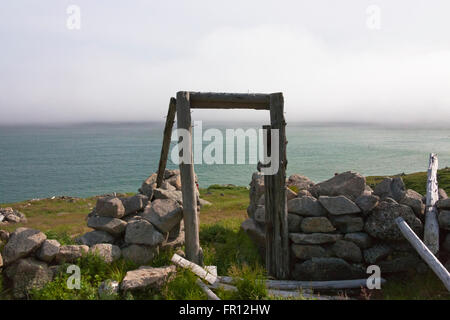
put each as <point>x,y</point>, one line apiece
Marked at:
<point>303,193</point>
<point>28,274</point>
<point>316,224</point>
<point>306,206</point>
<point>361,239</point>
<point>444,204</point>
<point>391,187</point>
<point>146,277</point>
<point>48,250</point>
<point>446,243</point>
<point>444,219</point>
<point>142,232</point>
<point>376,253</point>
<point>348,223</point>
<point>349,184</point>
<point>305,252</point>
<point>339,205</point>
<point>260,214</point>
<point>95,237</point>
<point>400,264</point>
<point>139,254</point>
<point>290,194</point>
<point>347,250</point>
<point>107,251</point>
<point>294,222</point>
<point>299,181</point>
<point>381,222</point>
<point>164,214</point>
<point>135,203</point>
<point>112,226</point>
<point>414,200</point>
<point>4,235</point>
<point>314,238</point>
<point>367,202</point>
<point>167,186</point>
<point>148,185</point>
<point>442,194</point>
<point>71,253</point>
<point>166,194</point>
<point>323,269</point>
<point>22,242</point>
<point>110,207</point>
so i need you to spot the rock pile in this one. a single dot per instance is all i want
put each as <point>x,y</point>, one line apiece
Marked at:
<point>340,226</point>
<point>138,227</point>
<point>9,215</point>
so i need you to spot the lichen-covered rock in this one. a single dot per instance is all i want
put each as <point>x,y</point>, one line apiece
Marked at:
<point>135,203</point>
<point>71,253</point>
<point>163,214</point>
<point>391,187</point>
<point>290,194</point>
<point>108,252</point>
<point>376,253</point>
<point>316,224</point>
<point>322,269</point>
<point>21,243</point>
<point>349,184</point>
<point>173,243</point>
<point>146,277</point>
<point>314,238</point>
<point>27,274</point>
<point>444,219</point>
<point>4,235</point>
<point>347,250</point>
<point>381,222</point>
<point>110,207</point>
<point>348,223</point>
<point>48,250</point>
<point>306,206</point>
<point>260,214</point>
<point>305,252</point>
<point>361,239</point>
<point>339,205</point>
<point>442,194</point>
<point>294,222</point>
<point>110,225</point>
<point>367,202</point>
<point>176,195</point>
<point>414,200</point>
<point>148,185</point>
<point>95,237</point>
<point>139,254</point>
<point>142,232</point>
<point>299,181</point>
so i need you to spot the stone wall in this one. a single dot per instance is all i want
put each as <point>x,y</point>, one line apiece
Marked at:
<point>340,226</point>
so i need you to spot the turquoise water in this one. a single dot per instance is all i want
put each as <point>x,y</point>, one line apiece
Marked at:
<point>91,159</point>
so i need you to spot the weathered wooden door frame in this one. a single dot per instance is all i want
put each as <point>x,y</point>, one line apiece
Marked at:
<point>277,241</point>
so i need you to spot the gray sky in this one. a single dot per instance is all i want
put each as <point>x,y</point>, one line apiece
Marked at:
<point>129,58</point>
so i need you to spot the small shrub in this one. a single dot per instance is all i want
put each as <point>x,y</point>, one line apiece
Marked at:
<point>183,287</point>
<point>250,283</point>
<point>62,237</point>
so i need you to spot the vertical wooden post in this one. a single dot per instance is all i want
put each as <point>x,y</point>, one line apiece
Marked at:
<point>166,141</point>
<point>277,236</point>
<point>431,230</point>
<point>192,242</point>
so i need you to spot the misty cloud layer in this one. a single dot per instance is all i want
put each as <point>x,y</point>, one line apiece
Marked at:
<point>127,61</point>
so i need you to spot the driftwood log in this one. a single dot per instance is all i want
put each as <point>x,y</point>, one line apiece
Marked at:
<point>195,268</point>
<point>424,252</point>
<point>211,295</point>
<point>318,285</point>
<point>431,230</point>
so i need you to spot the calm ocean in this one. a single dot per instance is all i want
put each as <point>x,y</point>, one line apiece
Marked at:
<point>90,159</point>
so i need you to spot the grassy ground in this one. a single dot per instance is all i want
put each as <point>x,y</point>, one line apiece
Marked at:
<point>223,243</point>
